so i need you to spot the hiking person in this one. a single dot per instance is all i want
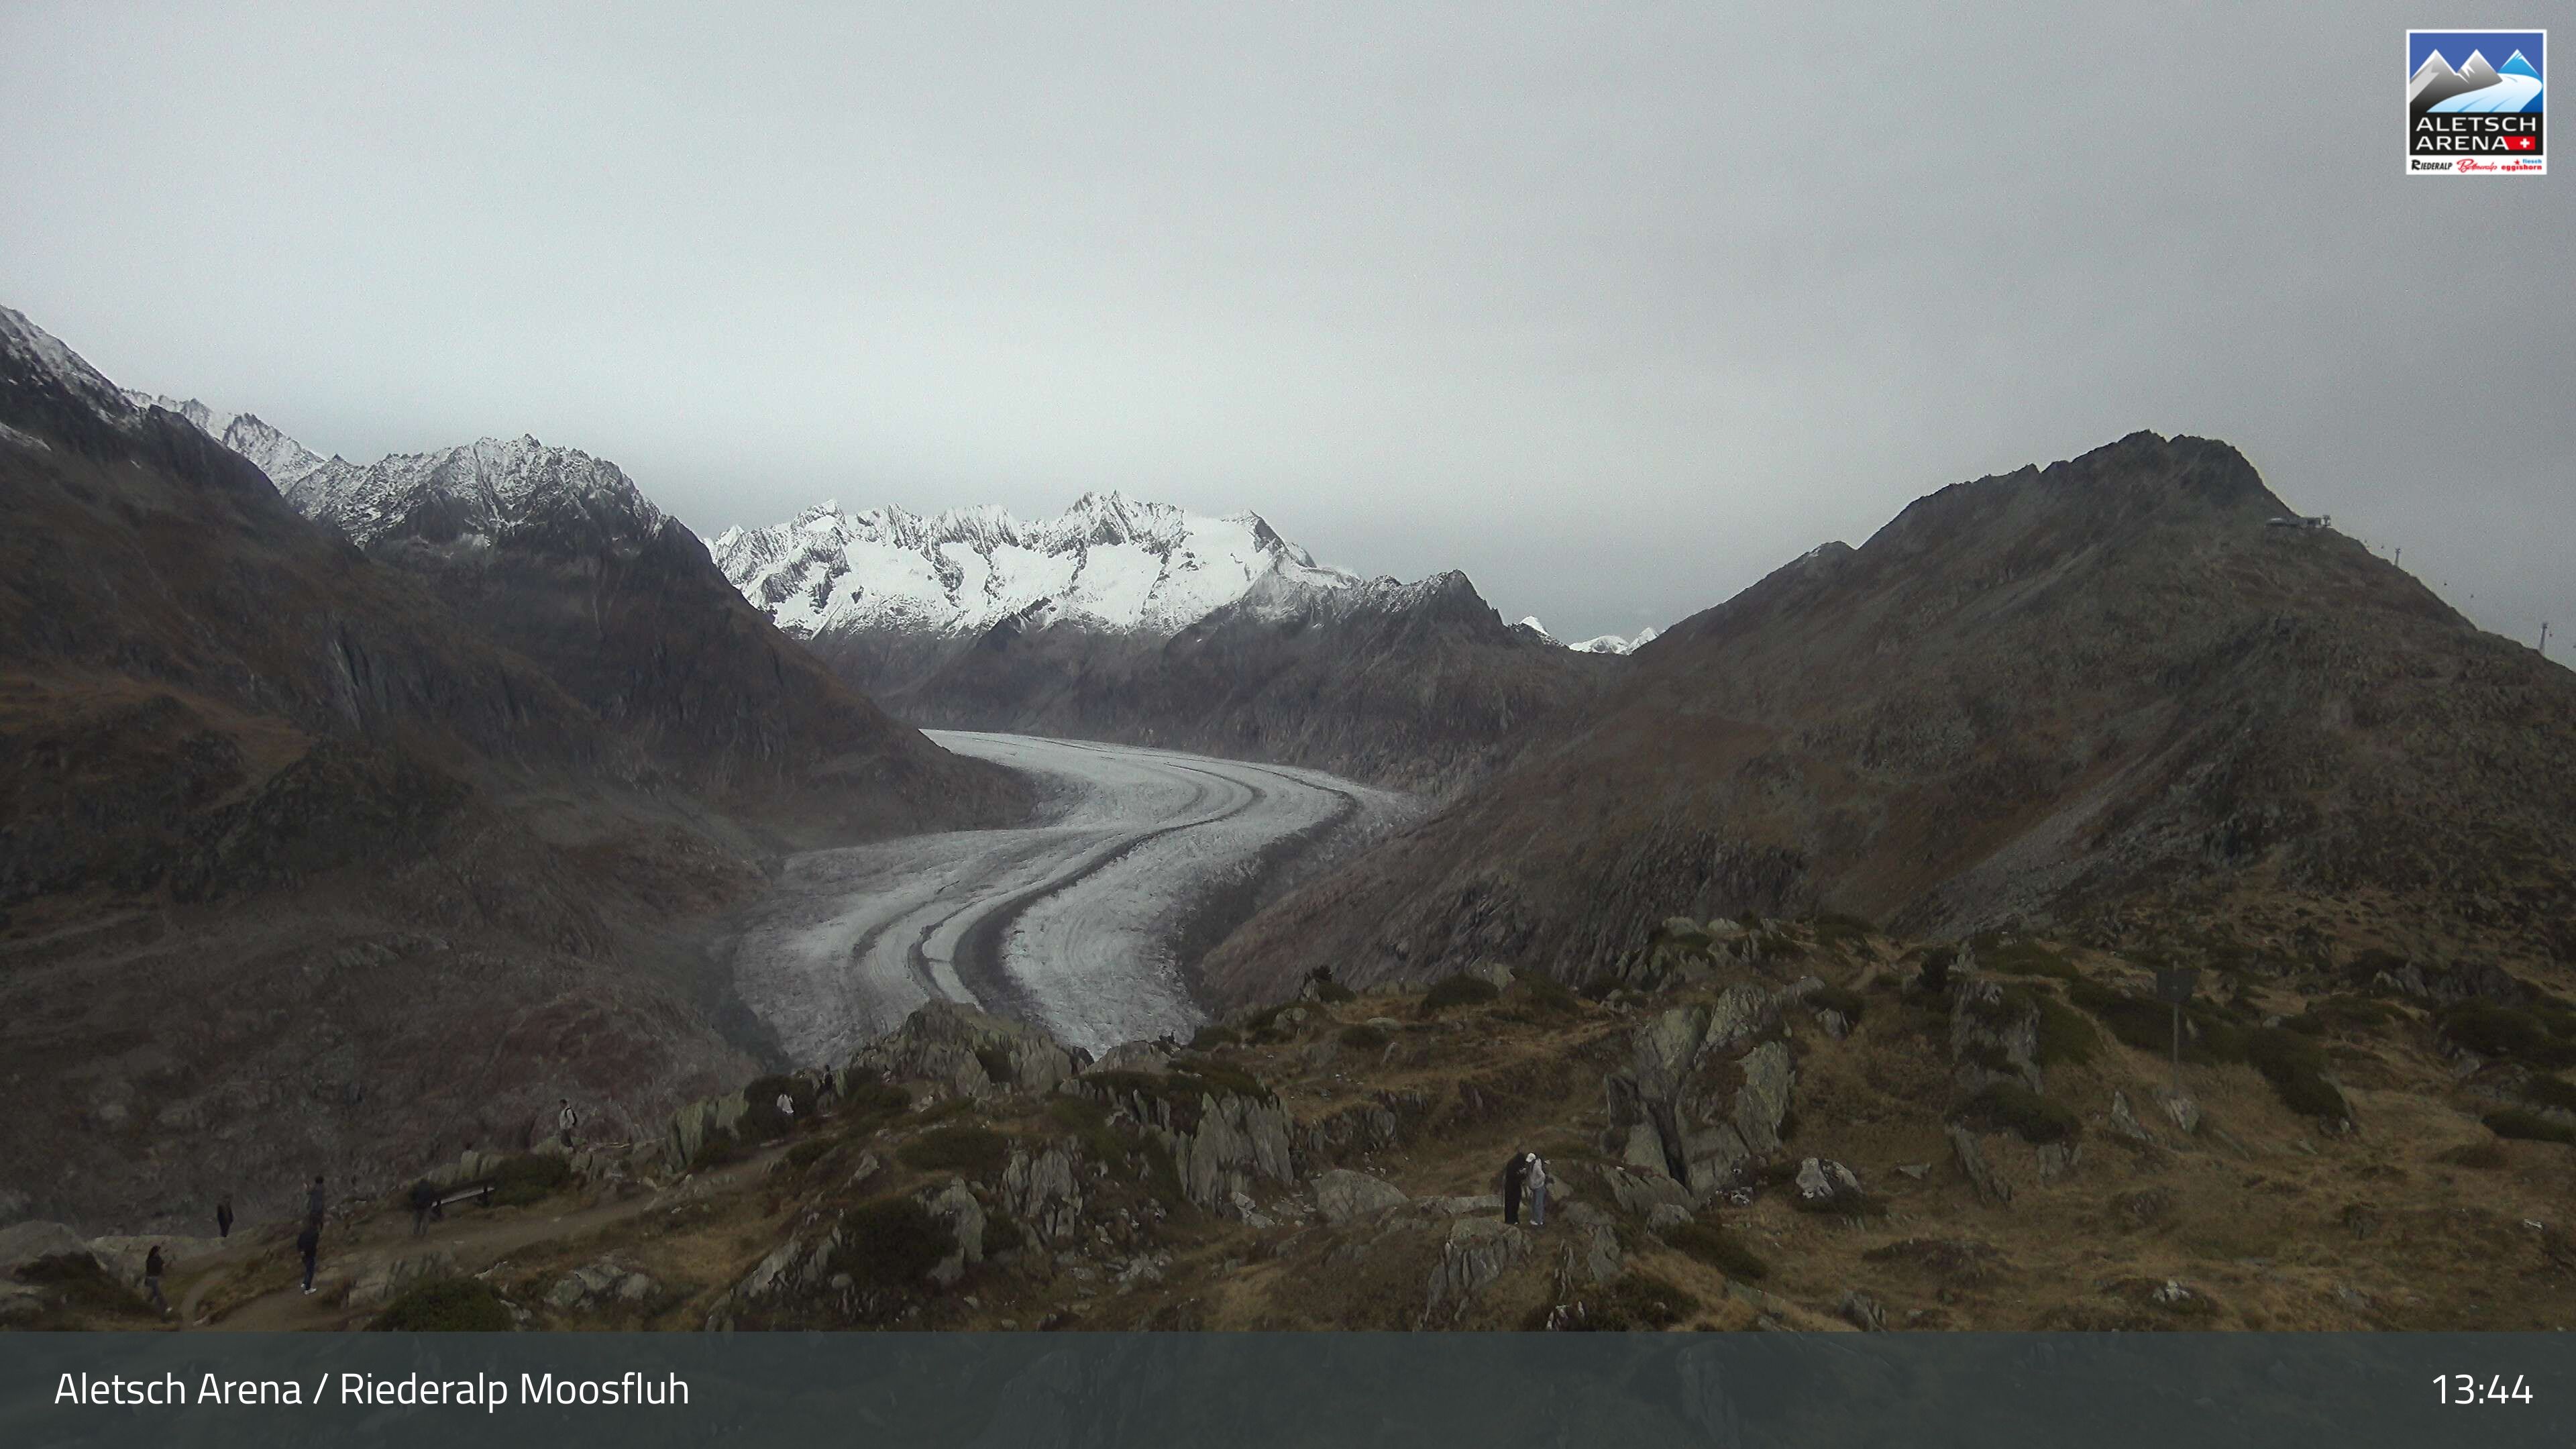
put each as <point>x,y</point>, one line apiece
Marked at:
<point>309,1243</point>
<point>1536,1177</point>
<point>424,1199</point>
<point>152,1266</point>
<point>566,1119</point>
<point>315,1204</point>
<point>224,1216</point>
<point>1513,1173</point>
<point>787,1109</point>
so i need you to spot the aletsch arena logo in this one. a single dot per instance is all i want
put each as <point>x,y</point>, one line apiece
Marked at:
<point>2473,102</point>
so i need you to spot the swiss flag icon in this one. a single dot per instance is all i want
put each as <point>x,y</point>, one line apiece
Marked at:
<point>2522,143</point>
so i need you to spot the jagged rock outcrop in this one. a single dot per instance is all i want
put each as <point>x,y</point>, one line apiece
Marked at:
<point>1994,1036</point>
<point>1043,1191</point>
<point>969,1053</point>
<point>1694,1101</point>
<point>1477,1253</point>
<point>1991,1185</point>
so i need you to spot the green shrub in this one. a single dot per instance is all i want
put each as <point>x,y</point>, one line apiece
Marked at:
<point>761,1119</point>
<point>2527,1126</point>
<point>1639,1301</point>
<point>892,1242</point>
<point>1212,1036</point>
<point>1545,992</point>
<point>1935,972</point>
<point>1089,1122</point>
<point>2011,1107</point>
<point>1364,1038</point>
<point>1459,990</point>
<point>996,1063</point>
<point>446,1305</point>
<point>868,1096</point>
<point>1720,1249</point>
<point>806,1153</point>
<point>2065,1036</point>
<point>1002,1233</point>
<point>1836,928</point>
<point>2018,957</point>
<point>974,1151</point>
<point>2295,1066</point>
<point>2548,1091</point>
<point>531,1178</point>
<point>2505,1031</point>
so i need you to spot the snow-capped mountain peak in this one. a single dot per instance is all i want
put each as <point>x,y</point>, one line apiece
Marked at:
<point>1108,561</point>
<point>1613,644</point>
<point>487,487</point>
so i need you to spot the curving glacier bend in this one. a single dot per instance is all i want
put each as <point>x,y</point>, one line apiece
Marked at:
<point>1085,923</point>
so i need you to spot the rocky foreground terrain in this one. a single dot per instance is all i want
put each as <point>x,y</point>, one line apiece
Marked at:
<point>1750,1124</point>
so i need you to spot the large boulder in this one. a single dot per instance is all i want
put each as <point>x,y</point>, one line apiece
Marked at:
<point>1342,1195</point>
<point>969,1053</point>
<point>26,1242</point>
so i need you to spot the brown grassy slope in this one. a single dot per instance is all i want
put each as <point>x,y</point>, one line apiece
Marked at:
<point>2086,696</point>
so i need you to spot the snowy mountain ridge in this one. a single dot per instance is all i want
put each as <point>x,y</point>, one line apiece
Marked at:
<point>483,487</point>
<point>283,459</point>
<point>1108,561</point>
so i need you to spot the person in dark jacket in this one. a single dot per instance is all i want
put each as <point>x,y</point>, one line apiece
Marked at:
<point>424,1199</point>
<point>315,1203</point>
<point>309,1243</point>
<point>224,1216</point>
<point>152,1268</point>
<point>1513,1172</point>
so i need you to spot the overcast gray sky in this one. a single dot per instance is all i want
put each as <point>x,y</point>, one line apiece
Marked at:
<point>1616,308</point>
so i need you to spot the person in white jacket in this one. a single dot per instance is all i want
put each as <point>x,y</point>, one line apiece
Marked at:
<point>1536,1181</point>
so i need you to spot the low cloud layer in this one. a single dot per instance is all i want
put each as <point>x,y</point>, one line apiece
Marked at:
<point>1616,309</point>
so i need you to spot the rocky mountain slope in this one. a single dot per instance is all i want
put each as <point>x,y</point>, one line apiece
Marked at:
<point>559,557</point>
<point>1766,1123</point>
<point>2102,698</point>
<point>299,869</point>
<point>1140,623</point>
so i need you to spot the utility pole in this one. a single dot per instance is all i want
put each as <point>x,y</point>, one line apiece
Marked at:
<point>2175,984</point>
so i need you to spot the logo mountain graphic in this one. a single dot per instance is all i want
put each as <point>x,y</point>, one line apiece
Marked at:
<point>2477,86</point>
